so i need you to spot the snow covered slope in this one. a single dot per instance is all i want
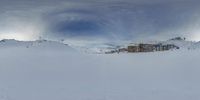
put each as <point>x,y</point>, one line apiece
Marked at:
<point>37,73</point>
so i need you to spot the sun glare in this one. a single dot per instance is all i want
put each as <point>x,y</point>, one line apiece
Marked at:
<point>195,36</point>
<point>17,36</point>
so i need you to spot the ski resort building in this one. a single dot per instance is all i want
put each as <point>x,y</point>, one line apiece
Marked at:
<point>150,47</point>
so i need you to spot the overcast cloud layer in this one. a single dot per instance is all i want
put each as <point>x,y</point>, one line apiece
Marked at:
<point>104,19</point>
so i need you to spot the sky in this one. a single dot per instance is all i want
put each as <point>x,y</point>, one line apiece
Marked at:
<point>99,19</point>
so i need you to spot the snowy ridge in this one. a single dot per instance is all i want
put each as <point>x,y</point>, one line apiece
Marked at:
<point>38,44</point>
